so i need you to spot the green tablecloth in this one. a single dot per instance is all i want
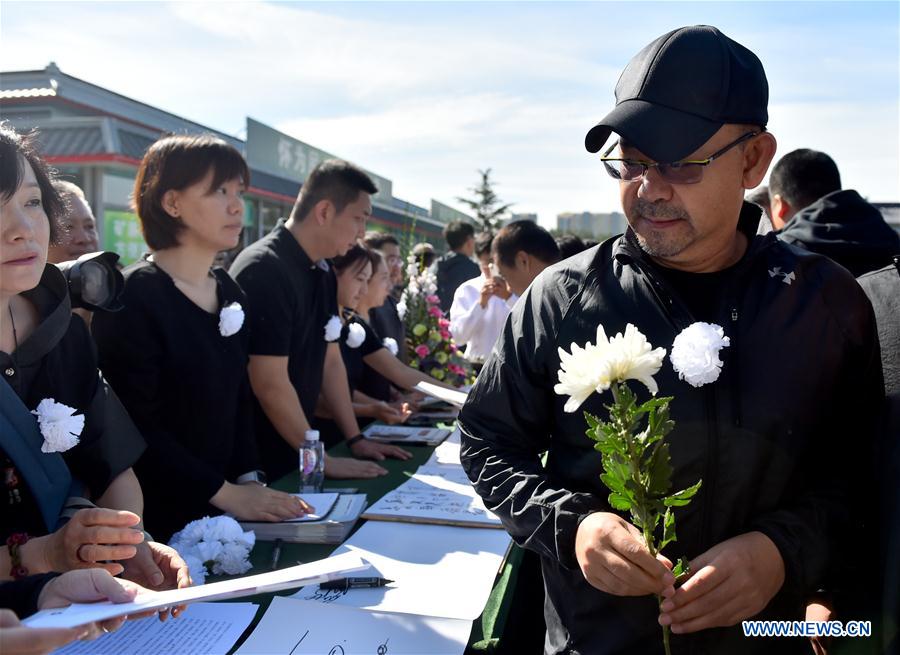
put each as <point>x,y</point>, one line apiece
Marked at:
<point>486,630</point>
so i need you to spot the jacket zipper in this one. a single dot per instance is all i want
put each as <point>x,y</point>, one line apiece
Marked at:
<point>735,357</point>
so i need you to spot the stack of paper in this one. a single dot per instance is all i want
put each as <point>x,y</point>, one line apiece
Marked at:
<point>326,526</point>
<point>405,434</point>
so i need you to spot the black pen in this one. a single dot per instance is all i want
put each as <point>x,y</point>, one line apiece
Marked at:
<point>344,584</point>
<point>276,554</point>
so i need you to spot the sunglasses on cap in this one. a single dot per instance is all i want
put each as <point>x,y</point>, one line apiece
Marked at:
<point>689,171</point>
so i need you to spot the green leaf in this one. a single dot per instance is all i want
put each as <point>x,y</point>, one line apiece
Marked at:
<point>683,497</point>
<point>613,483</point>
<point>619,502</point>
<point>659,471</point>
<point>668,529</point>
<point>681,570</point>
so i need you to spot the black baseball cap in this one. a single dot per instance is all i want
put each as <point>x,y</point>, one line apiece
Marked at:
<point>678,91</point>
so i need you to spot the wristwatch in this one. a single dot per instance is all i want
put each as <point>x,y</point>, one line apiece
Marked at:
<point>356,439</point>
<point>253,477</point>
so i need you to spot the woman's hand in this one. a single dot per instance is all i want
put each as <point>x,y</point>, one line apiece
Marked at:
<point>95,537</point>
<point>157,566</point>
<point>347,468</point>
<point>253,502</point>
<point>391,414</point>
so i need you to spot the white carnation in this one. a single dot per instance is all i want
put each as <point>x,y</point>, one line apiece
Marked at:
<point>195,566</point>
<point>222,528</point>
<point>59,426</point>
<point>333,328</point>
<point>208,551</point>
<point>391,345</point>
<point>695,353</point>
<point>232,560</point>
<point>356,334</point>
<point>596,367</point>
<point>231,318</point>
<point>401,309</point>
<point>219,541</point>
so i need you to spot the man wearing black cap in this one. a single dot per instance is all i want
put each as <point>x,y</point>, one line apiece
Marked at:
<point>801,375</point>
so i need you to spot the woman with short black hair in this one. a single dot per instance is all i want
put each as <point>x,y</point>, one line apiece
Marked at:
<point>177,353</point>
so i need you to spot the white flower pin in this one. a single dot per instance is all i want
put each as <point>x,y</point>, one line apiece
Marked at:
<point>59,425</point>
<point>356,334</point>
<point>695,353</point>
<point>596,367</point>
<point>231,319</point>
<point>333,328</point>
<point>391,345</point>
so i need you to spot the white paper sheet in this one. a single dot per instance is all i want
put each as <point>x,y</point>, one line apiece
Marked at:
<point>440,494</point>
<point>203,629</point>
<point>295,576</point>
<point>321,503</point>
<point>455,398</point>
<point>296,627</point>
<point>437,570</point>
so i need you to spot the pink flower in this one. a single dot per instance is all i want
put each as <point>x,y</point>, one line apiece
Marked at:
<point>445,334</point>
<point>422,351</point>
<point>453,348</point>
<point>432,300</point>
<point>456,369</point>
<point>435,311</point>
<point>443,322</point>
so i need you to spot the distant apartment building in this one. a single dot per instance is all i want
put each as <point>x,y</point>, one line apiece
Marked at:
<point>591,225</point>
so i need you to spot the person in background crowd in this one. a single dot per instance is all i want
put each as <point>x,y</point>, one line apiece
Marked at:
<point>569,244</point>
<point>480,306</point>
<point>521,250</point>
<point>784,502</point>
<point>383,316</point>
<point>177,352</point>
<point>809,209</point>
<point>24,597</point>
<point>292,296</point>
<point>455,267</point>
<point>76,229</point>
<point>364,348</point>
<point>49,367</point>
<point>424,255</point>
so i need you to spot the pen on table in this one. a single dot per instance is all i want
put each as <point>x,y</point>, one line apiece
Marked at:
<point>276,553</point>
<point>343,584</point>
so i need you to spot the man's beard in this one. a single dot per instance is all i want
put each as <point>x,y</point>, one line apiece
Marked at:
<point>661,243</point>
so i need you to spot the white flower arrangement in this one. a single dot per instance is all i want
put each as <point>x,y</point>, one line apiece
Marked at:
<point>231,319</point>
<point>597,366</point>
<point>59,425</point>
<point>391,345</point>
<point>695,353</point>
<point>333,328</point>
<point>356,334</point>
<point>218,544</point>
<point>401,309</point>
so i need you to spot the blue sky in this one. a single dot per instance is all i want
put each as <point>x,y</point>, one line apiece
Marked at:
<point>426,93</point>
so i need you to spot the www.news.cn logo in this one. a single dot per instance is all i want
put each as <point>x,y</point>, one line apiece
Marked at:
<point>807,628</point>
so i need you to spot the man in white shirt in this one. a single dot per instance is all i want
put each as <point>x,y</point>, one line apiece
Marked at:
<point>480,306</point>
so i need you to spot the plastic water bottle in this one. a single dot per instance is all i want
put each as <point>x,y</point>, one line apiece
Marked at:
<point>312,463</point>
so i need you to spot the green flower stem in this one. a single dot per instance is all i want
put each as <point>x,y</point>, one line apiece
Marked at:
<point>640,509</point>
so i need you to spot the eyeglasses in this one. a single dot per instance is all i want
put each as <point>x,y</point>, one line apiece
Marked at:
<point>689,171</point>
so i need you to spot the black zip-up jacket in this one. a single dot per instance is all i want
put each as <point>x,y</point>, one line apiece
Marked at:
<point>846,228</point>
<point>779,439</point>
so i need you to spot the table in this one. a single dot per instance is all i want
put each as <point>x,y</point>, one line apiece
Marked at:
<point>520,571</point>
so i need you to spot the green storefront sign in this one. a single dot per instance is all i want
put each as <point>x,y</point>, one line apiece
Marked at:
<point>122,235</point>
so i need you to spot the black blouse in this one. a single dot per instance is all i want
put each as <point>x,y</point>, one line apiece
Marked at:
<point>59,361</point>
<point>186,387</point>
<point>353,356</point>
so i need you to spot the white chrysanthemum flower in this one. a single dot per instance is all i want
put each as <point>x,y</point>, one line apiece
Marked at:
<point>356,334</point>
<point>596,367</point>
<point>391,345</point>
<point>59,425</point>
<point>195,566</point>
<point>231,319</point>
<point>695,353</point>
<point>233,560</point>
<point>333,328</point>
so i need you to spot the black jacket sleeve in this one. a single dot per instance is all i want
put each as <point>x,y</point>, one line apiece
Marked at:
<point>21,596</point>
<point>506,426</point>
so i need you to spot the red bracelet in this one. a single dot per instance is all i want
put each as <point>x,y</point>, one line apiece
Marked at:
<point>14,542</point>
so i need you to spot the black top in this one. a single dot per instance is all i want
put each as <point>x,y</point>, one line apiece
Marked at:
<point>768,437</point>
<point>291,298</point>
<point>186,387</point>
<point>387,323</point>
<point>21,596</point>
<point>451,270</point>
<point>58,360</point>
<point>353,356</point>
<point>698,291</point>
